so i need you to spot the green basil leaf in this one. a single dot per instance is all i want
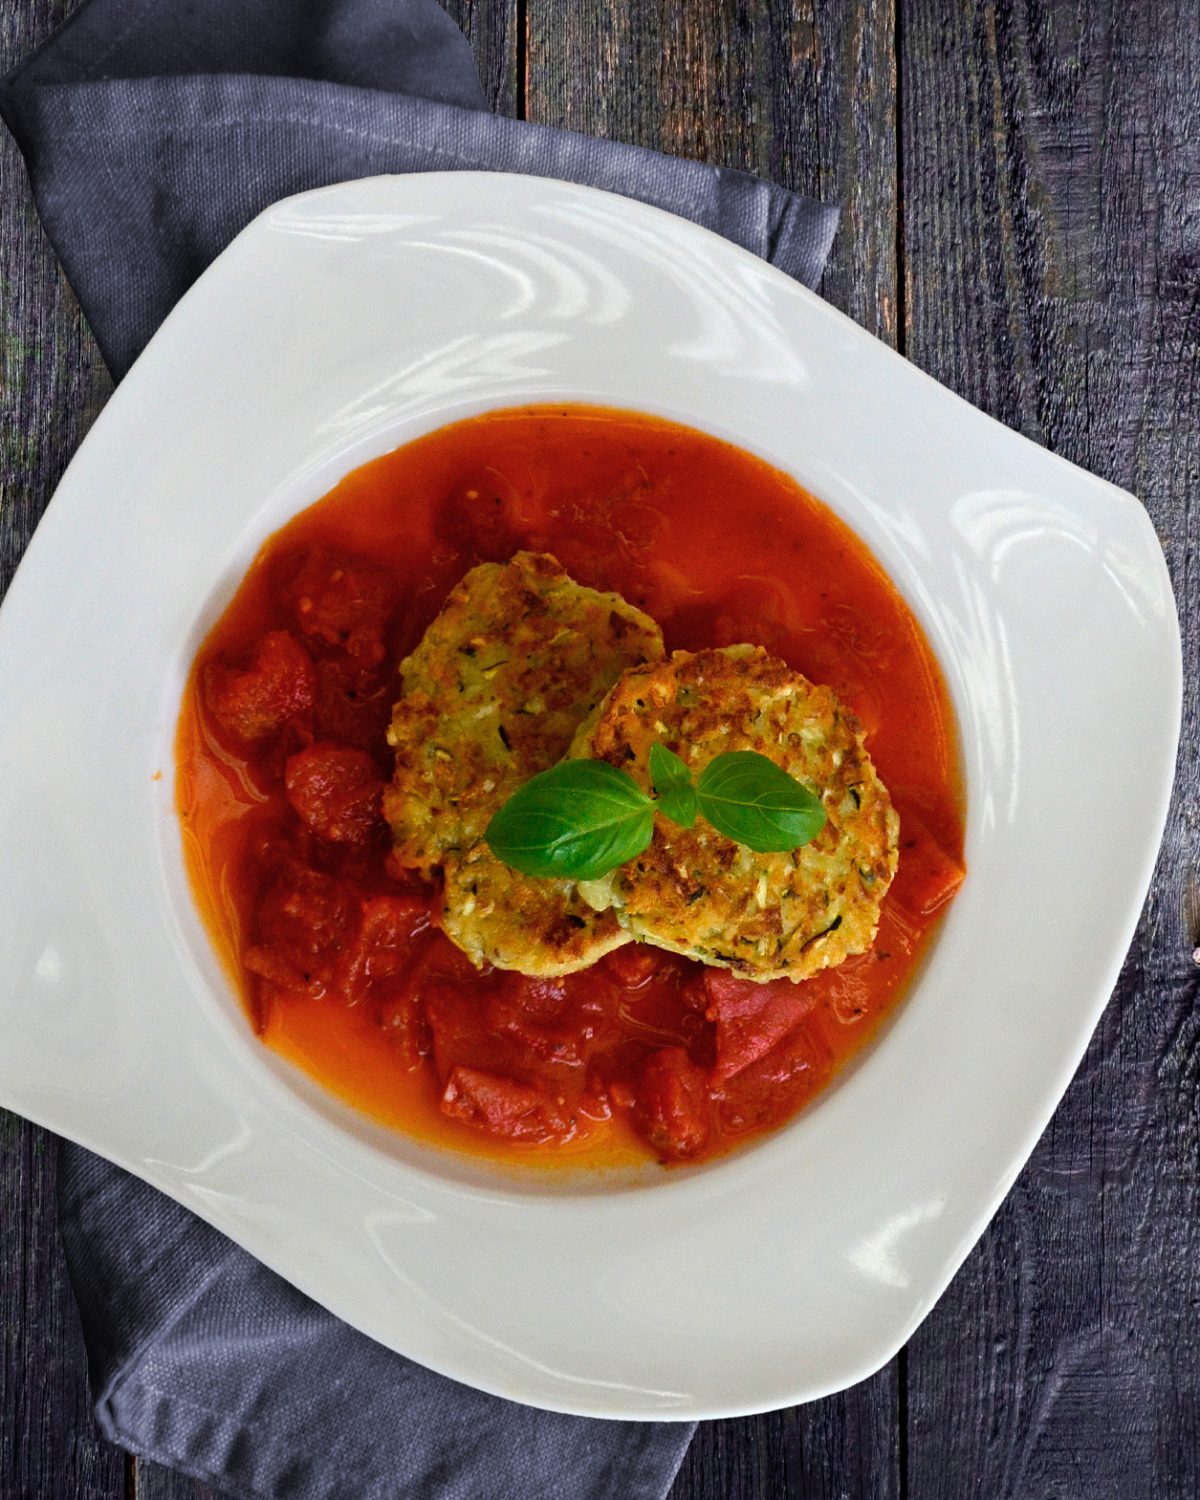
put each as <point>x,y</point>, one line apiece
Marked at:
<point>753,801</point>
<point>673,782</point>
<point>576,821</point>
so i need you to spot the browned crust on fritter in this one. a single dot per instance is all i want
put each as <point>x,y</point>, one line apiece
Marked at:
<point>497,915</point>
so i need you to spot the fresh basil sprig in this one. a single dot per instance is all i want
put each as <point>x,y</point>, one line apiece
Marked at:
<point>583,818</point>
<point>577,821</point>
<point>673,783</point>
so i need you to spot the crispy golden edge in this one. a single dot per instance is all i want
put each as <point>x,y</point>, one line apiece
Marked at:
<point>540,927</point>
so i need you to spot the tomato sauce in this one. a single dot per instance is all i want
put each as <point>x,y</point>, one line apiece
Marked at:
<point>281,757</point>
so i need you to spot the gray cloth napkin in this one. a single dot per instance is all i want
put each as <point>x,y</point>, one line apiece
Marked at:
<point>154,130</point>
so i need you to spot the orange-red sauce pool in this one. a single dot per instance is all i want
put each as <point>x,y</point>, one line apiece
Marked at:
<point>281,752</point>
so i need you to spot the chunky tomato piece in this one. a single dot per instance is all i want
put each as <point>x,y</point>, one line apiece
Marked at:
<point>353,704</point>
<point>927,874</point>
<point>336,791</point>
<point>455,1018</point>
<point>672,1109</point>
<point>541,998</point>
<point>275,687</point>
<point>550,1020</point>
<point>751,1018</point>
<point>594,1101</point>
<point>402,1021</point>
<point>439,961</point>
<point>772,1088</point>
<point>388,931</point>
<point>305,923</point>
<point>503,1107</point>
<point>339,601</point>
<point>540,1041</point>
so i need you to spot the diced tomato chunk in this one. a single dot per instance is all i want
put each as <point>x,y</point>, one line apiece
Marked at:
<point>306,921</point>
<point>390,923</point>
<point>751,1018</point>
<point>275,687</point>
<point>927,874</point>
<point>594,1102</point>
<point>340,601</point>
<point>541,1040</point>
<point>403,1023</point>
<point>441,961</point>
<point>539,997</point>
<point>672,1110</point>
<point>502,1106</point>
<point>772,1088</point>
<point>456,1024</point>
<point>621,1094</point>
<point>389,929</point>
<point>353,704</point>
<point>336,791</point>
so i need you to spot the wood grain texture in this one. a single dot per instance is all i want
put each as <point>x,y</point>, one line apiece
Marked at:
<point>1052,197</point>
<point>52,383</point>
<point>492,27</point>
<point>803,94</point>
<point>48,1442</point>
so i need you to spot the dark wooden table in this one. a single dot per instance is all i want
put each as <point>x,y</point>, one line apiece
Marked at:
<point>1021,191</point>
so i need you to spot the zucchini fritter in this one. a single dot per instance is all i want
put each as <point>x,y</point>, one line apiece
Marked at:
<point>694,891</point>
<point>498,685</point>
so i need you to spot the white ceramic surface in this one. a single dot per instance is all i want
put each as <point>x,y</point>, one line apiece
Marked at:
<point>339,325</point>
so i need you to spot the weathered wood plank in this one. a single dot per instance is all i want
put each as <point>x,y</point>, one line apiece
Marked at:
<point>48,1442</point>
<point>492,29</point>
<point>801,94</point>
<point>804,95</point>
<point>51,385</point>
<point>52,381</point>
<point>847,1446</point>
<point>1051,192</point>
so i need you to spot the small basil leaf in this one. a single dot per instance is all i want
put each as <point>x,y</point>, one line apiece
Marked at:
<point>672,781</point>
<point>576,821</point>
<point>753,801</point>
<point>679,804</point>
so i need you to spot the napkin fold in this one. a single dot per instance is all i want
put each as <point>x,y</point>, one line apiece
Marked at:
<point>204,1360</point>
<point>153,131</point>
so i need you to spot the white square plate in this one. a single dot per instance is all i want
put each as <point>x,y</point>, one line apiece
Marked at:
<point>337,326</point>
